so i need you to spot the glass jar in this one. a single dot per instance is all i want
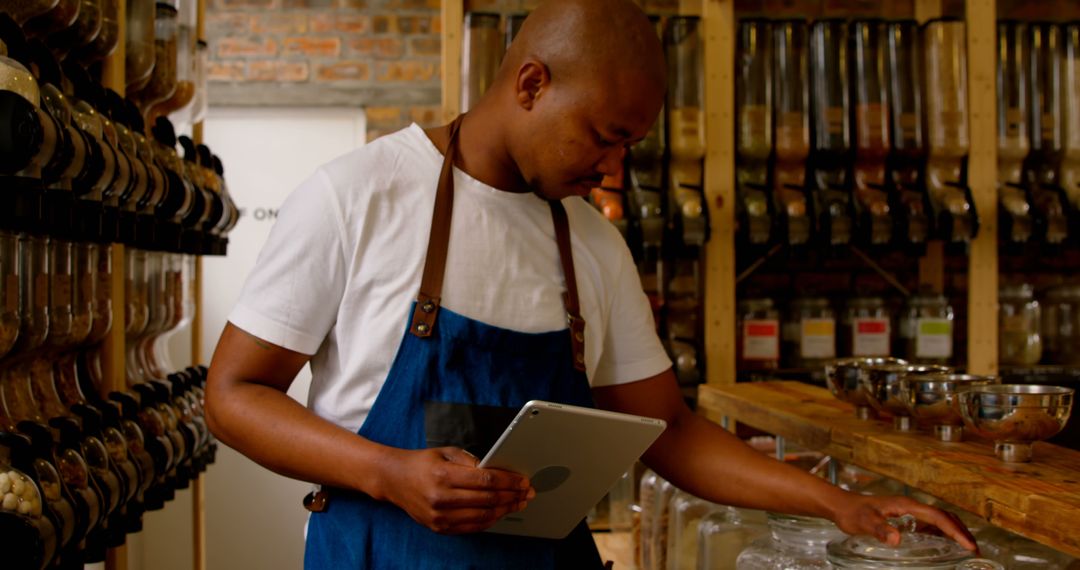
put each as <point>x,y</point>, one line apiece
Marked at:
<point>723,534</point>
<point>926,329</point>
<point>916,551</point>
<point>685,513</point>
<point>1018,553</point>
<point>643,532</point>
<point>1020,343</point>
<point>139,42</point>
<point>809,333</point>
<point>1061,325</point>
<point>757,335</point>
<point>866,328</point>
<point>794,543</point>
<point>481,57</point>
<point>621,501</point>
<point>661,520</point>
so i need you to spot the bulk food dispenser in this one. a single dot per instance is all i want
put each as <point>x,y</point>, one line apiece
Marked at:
<point>946,120</point>
<point>792,133</point>
<point>873,216</point>
<point>907,154</point>
<point>830,156</point>
<point>1045,128</point>
<point>754,133</point>
<point>686,129</point>
<point>480,59</point>
<point>1015,216</point>
<point>1070,163</point>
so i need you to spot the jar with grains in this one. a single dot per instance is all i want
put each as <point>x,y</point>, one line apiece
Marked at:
<point>809,333</point>
<point>866,328</point>
<point>1061,325</point>
<point>757,335</point>
<point>1019,314</point>
<point>926,329</point>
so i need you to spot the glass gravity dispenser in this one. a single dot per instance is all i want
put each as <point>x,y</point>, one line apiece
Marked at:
<point>164,77</point>
<point>1013,144</point>
<point>792,130</point>
<point>686,128</point>
<point>830,159</point>
<point>945,52</point>
<point>1070,163</point>
<point>139,43</point>
<point>907,154</point>
<point>184,62</point>
<point>754,144</point>
<point>873,222</point>
<point>481,57</point>
<point>1041,168</point>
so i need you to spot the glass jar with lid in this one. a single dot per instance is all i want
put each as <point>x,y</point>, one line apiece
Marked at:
<point>723,534</point>
<point>1018,553</point>
<point>926,329</point>
<point>916,551</point>
<point>757,332</point>
<point>661,519</point>
<point>1061,325</point>
<point>809,335</point>
<point>794,543</point>
<point>643,529</point>
<point>1020,340</point>
<point>866,328</point>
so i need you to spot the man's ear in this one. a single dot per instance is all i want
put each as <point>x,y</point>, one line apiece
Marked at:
<point>532,78</point>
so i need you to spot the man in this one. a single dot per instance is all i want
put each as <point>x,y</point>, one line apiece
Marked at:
<point>479,287</point>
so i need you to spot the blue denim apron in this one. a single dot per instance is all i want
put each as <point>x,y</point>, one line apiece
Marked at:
<point>456,381</point>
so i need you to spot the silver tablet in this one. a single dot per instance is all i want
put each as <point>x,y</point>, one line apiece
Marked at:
<point>572,456</point>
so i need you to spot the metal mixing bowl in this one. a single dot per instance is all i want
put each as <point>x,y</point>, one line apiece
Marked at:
<point>881,384</point>
<point>842,378</point>
<point>933,400</point>
<point>1016,415</point>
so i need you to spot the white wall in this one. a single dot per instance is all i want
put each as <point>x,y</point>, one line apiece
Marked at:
<point>254,518</point>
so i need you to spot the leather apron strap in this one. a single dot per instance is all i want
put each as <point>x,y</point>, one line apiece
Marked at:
<point>429,298</point>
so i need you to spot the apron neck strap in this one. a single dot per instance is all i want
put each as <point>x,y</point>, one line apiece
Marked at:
<point>430,295</point>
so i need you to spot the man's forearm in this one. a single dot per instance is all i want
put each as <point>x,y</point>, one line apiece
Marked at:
<point>702,458</point>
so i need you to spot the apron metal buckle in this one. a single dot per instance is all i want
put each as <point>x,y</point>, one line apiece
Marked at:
<point>316,501</point>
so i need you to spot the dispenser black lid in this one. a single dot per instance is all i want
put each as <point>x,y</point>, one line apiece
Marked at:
<point>129,407</point>
<point>190,154</point>
<point>48,69</point>
<point>20,448</point>
<point>41,438</point>
<point>219,168</point>
<point>91,417</point>
<point>71,433</point>
<point>206,158</point>
<point>164,132</point>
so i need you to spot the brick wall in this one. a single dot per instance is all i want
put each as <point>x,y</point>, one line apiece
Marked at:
<point>383,55</point>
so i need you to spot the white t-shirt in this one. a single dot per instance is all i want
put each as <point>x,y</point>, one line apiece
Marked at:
<point>342,266</point>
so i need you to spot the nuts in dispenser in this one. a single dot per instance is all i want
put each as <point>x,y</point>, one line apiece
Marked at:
<point>19,494</point>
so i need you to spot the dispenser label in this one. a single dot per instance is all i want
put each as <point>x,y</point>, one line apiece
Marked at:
<point>934,338</point>
<point>870,337</point>
<point>818,338</point>
<point>761,339</point>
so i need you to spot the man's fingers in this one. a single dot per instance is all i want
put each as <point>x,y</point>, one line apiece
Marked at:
<point>458,456</point>
<point>946,522</point>
<point>461,521</point>
<point>490,479</point>
<point>472,498</point>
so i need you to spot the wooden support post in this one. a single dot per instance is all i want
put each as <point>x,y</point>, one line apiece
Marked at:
<point>718,18</point>
<point>198,486</point>
<point>982,178</point>
<point>453,22</point>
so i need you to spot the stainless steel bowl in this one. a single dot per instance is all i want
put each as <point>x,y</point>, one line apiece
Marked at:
<point>933,400</point>
<point>1016,415</point>
<point>842,378</point>
<point>881,384</point>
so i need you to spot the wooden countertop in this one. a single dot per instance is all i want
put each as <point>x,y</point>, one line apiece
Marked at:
<point>1039,500</point>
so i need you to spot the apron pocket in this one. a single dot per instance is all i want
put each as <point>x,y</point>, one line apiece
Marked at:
<point>473,428</point>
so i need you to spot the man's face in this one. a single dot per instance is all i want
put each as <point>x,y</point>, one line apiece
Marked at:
<point>579,133</point>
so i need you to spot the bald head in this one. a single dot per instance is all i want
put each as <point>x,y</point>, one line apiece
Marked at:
<point>587,39</point>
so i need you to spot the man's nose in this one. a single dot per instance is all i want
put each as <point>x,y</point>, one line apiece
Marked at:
<point>612,161</point>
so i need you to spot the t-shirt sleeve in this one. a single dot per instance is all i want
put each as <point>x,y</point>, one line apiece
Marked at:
<point>632,350</point>
<point>292,295</point>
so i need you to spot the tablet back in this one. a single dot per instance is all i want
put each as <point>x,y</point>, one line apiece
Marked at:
<point>572,456</point>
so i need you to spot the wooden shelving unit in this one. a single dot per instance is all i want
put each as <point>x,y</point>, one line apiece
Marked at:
<point>1039,500</point>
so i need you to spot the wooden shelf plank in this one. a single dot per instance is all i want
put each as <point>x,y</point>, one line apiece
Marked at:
<point>1039,500</point>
